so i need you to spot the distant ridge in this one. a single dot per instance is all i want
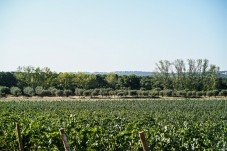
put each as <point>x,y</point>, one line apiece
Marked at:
<point>121,73</point>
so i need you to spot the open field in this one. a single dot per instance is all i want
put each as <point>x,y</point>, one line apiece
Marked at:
<point>114,124</point>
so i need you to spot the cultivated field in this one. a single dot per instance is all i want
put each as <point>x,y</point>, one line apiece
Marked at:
<point>114,124</point>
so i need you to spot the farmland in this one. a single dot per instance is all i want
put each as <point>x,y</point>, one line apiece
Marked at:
<point>114,124</point>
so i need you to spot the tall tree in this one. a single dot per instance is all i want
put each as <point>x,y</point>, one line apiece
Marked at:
<point>7,79</point>
<point>163,69</point>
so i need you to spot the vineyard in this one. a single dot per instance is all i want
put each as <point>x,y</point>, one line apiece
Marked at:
<point>113,125</point>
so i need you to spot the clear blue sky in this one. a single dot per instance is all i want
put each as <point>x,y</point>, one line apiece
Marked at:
<point>110,35</point>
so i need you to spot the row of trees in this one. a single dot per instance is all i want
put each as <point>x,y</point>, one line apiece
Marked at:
<point>106,92</point>
<point>195,75</point>
<point>190,75</point>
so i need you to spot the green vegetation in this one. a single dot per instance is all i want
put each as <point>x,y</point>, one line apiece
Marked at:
<point>191,78</point>
<point>114,125</point>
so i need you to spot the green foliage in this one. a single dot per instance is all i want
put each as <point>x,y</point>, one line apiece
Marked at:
<point>39,90</point>
<point>87,93</point>
<point>223,93</point>
<point>66,80</point>
<point>114,125</point>
<point>154,93</point>
<point>4,90</point>
<point>132,93</point>
<point>29,91</point>
<point>7,79</point>
<point>59,93</point>
<point>68,92</point>
<point>95,92</point>
<point>181,93</point>
<point>15,91</point>
<point>52,90</point>
<point>79,92</point>
<point>209,93</point>
<point>167,93</point>
<point>46,93</point>
<point>215,92</point>
<point>199,94</point>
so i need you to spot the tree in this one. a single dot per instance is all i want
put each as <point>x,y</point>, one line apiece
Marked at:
<point>66,80</point>
<point>7,79</point>
<point>29,91</point>
<point>4,90</point>
<point>163,74</point>
<point>111,79</point>
<point>131,82</point>
<point>145,82</point>
<point>15,91</point>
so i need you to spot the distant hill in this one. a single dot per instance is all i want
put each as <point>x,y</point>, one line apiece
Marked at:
<point>223,74</point>
<point>120,73</point>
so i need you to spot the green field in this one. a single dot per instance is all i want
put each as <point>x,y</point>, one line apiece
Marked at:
<point>113,125</point>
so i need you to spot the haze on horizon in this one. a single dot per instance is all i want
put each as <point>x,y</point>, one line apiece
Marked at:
<point>73,35</point>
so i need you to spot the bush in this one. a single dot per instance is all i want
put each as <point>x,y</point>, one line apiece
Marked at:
<point>87,93</point>
<point>215,92</point>
<point>223,93</point>
<point>154,93</point>
<point>29,91</point>
<point>209,93</point>
<point>112,92</point>
<point>68,92</point>
<point>46,93</point>
<point>59,93</point>
<point>189,94</point>
<point>132,93</point>
<point>95,92</point>
<point>39,90</point>
<point>15,91</point>
<point>181,93</point>
<point>199,94</point>
<point>4,90</point>
<point>104,92</point>
<point>52,90</point>
<point>79,92</point>
<point>168,93</point>
<point>120,93</point>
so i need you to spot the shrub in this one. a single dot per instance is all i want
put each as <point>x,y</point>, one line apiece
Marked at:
<point>215,92</point>
<point>59,93</point>
<point>145,93</point>
<point>68,92</point>
<point>209,93</point>
<point>199,94</point>
<point>189,94</point>
<point>154,93</point>
<point>79,92</point>
<point>29,91</point>
<point>181,93</point>
<point>223,93</point>
<point>46,93</point>
<point>52,90</point>
<point>120,93</point>
<point>87,93</point>
<point>39,90</point>
<point>95,92</point>
<point>103,92</point>
<point>112,92</point>
<point>167,93</point>
<point>4,90</point>
<point>132,93</point>
<point>15,91</point>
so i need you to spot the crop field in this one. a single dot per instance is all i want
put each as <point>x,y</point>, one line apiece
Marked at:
<point>113,125</point>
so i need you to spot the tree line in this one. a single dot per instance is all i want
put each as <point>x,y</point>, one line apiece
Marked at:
<point>177,78</point>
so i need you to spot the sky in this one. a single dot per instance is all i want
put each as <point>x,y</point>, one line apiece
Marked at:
<point>110,35</point>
